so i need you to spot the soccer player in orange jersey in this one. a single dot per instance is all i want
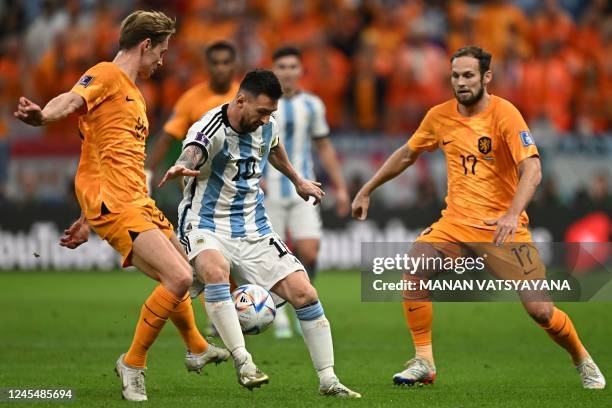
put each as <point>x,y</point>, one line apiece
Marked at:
<point>221,88</point>
<point>493,170</point>
<point>111,189</point>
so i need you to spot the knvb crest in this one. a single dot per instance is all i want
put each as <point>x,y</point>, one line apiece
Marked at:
<point>484,145</point>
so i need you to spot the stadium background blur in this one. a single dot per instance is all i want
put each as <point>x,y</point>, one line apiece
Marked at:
<point>377,65</point>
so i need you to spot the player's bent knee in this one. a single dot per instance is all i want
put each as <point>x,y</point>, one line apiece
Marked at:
<point>539,312</point>
<point>303,296</point>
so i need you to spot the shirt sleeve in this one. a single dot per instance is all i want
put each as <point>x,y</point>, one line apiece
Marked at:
<point>95,86</point>
<point>198,138</point>
<point>179,122</point>
<point>425,137</point>
<point>517,135</point>
<point>320,127</point>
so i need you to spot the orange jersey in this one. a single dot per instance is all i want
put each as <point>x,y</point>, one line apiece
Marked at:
<point>192,105</point>
<point>111,167</point>
<point>482,157</point>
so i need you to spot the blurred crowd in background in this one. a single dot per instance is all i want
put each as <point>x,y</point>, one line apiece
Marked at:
<point>378,65</point>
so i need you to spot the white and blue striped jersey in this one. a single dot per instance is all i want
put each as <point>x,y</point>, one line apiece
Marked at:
<point>300,118</point>
<point>225,197</point>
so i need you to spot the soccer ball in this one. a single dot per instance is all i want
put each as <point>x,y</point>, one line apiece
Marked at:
<point>255,308</point>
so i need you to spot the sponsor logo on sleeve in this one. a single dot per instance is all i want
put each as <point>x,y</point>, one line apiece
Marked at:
<point>85,81</point>
<point>202,138</point>
<point>526,138</point>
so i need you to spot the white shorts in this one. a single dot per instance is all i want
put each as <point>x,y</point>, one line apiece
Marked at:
<point>263,261</point>
<point>301,218</point>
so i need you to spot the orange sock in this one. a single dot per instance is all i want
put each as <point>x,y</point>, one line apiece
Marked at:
<point>562,331</point>
<point>419,316</point>
<point>153,315</point>
<point>184,320</point>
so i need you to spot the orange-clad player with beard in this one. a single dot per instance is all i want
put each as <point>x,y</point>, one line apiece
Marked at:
<point>111,189</point>
<point>493,170</point>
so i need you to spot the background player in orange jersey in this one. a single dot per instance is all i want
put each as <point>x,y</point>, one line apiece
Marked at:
<point>493,170</point>
<point>221,59</point>
<point>111,189</point>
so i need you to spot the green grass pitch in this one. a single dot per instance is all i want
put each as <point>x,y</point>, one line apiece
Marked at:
<point>66,329</point>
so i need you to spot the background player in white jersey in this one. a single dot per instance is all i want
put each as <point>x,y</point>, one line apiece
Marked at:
<point>302,124</point>
<point>223,224</point>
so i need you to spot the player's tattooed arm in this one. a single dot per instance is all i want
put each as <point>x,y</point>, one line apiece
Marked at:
<point>76,234</point>
<point>305,188</point>
<point>191,157</point>
<point>185,165</point>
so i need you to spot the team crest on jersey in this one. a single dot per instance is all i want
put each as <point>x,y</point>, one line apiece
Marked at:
<point>526,138</point>
<point>262,149</point>
<point>484,145</point>
<point>85,81</point>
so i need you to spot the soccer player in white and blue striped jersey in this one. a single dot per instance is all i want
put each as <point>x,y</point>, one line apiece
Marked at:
<point>302,125</point>
<point>223,224</point>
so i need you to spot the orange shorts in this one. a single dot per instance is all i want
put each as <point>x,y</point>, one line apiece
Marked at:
<point>121,229</point>
<point>518,259</point>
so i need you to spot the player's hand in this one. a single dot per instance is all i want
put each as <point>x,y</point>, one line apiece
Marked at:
<point>77,234</point>
<point>309,188</point>
<point>343,203</point>
<point>506,227</point>
<point>360,206</point>
<point>29,112</point>
<point>177,171</point>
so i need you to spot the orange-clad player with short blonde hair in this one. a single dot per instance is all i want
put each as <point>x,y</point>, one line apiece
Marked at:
<point>111,189</point>
<point>493,170</point>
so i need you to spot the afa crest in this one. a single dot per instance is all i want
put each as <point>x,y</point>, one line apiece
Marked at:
<point>484,145</point>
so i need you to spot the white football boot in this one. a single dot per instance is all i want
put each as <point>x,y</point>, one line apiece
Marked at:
<point>335,388</point>
<point>249,376</point>
<point>214,354</point>
<point>132,381</point>
<point>418,371</point>
<point>591,376</point>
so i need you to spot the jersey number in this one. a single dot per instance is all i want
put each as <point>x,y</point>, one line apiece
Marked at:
<point>465,161</point>
<point>246,169</point>
<point>280,247</point>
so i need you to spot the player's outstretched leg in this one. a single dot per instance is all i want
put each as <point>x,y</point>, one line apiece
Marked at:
<point>418,312</point>
<point>297,289</point>
<point>213,268</point>
<point>421,369</point>
<point>199,351</point>
<point>560,328</point>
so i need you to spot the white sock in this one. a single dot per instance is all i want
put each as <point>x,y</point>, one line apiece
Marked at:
<point>222,312</point>
<point>318,339</point>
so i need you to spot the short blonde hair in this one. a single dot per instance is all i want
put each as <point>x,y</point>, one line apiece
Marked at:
<point>141,25</point>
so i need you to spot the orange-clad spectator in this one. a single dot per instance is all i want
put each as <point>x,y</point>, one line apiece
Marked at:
<point>105,30</point>
<point>366,91</point>
<point>58,69</point>
<point>204,26</point>
<point>326,74</point>
<point>386,32</point>
<point>461,26</point>
<point>547,88</point>
<point>509,72</point>
<point>303,25</point>
<point>551,23</point>
<point>494,23</point>
<point>590,105</point>
<point>419,81</point>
